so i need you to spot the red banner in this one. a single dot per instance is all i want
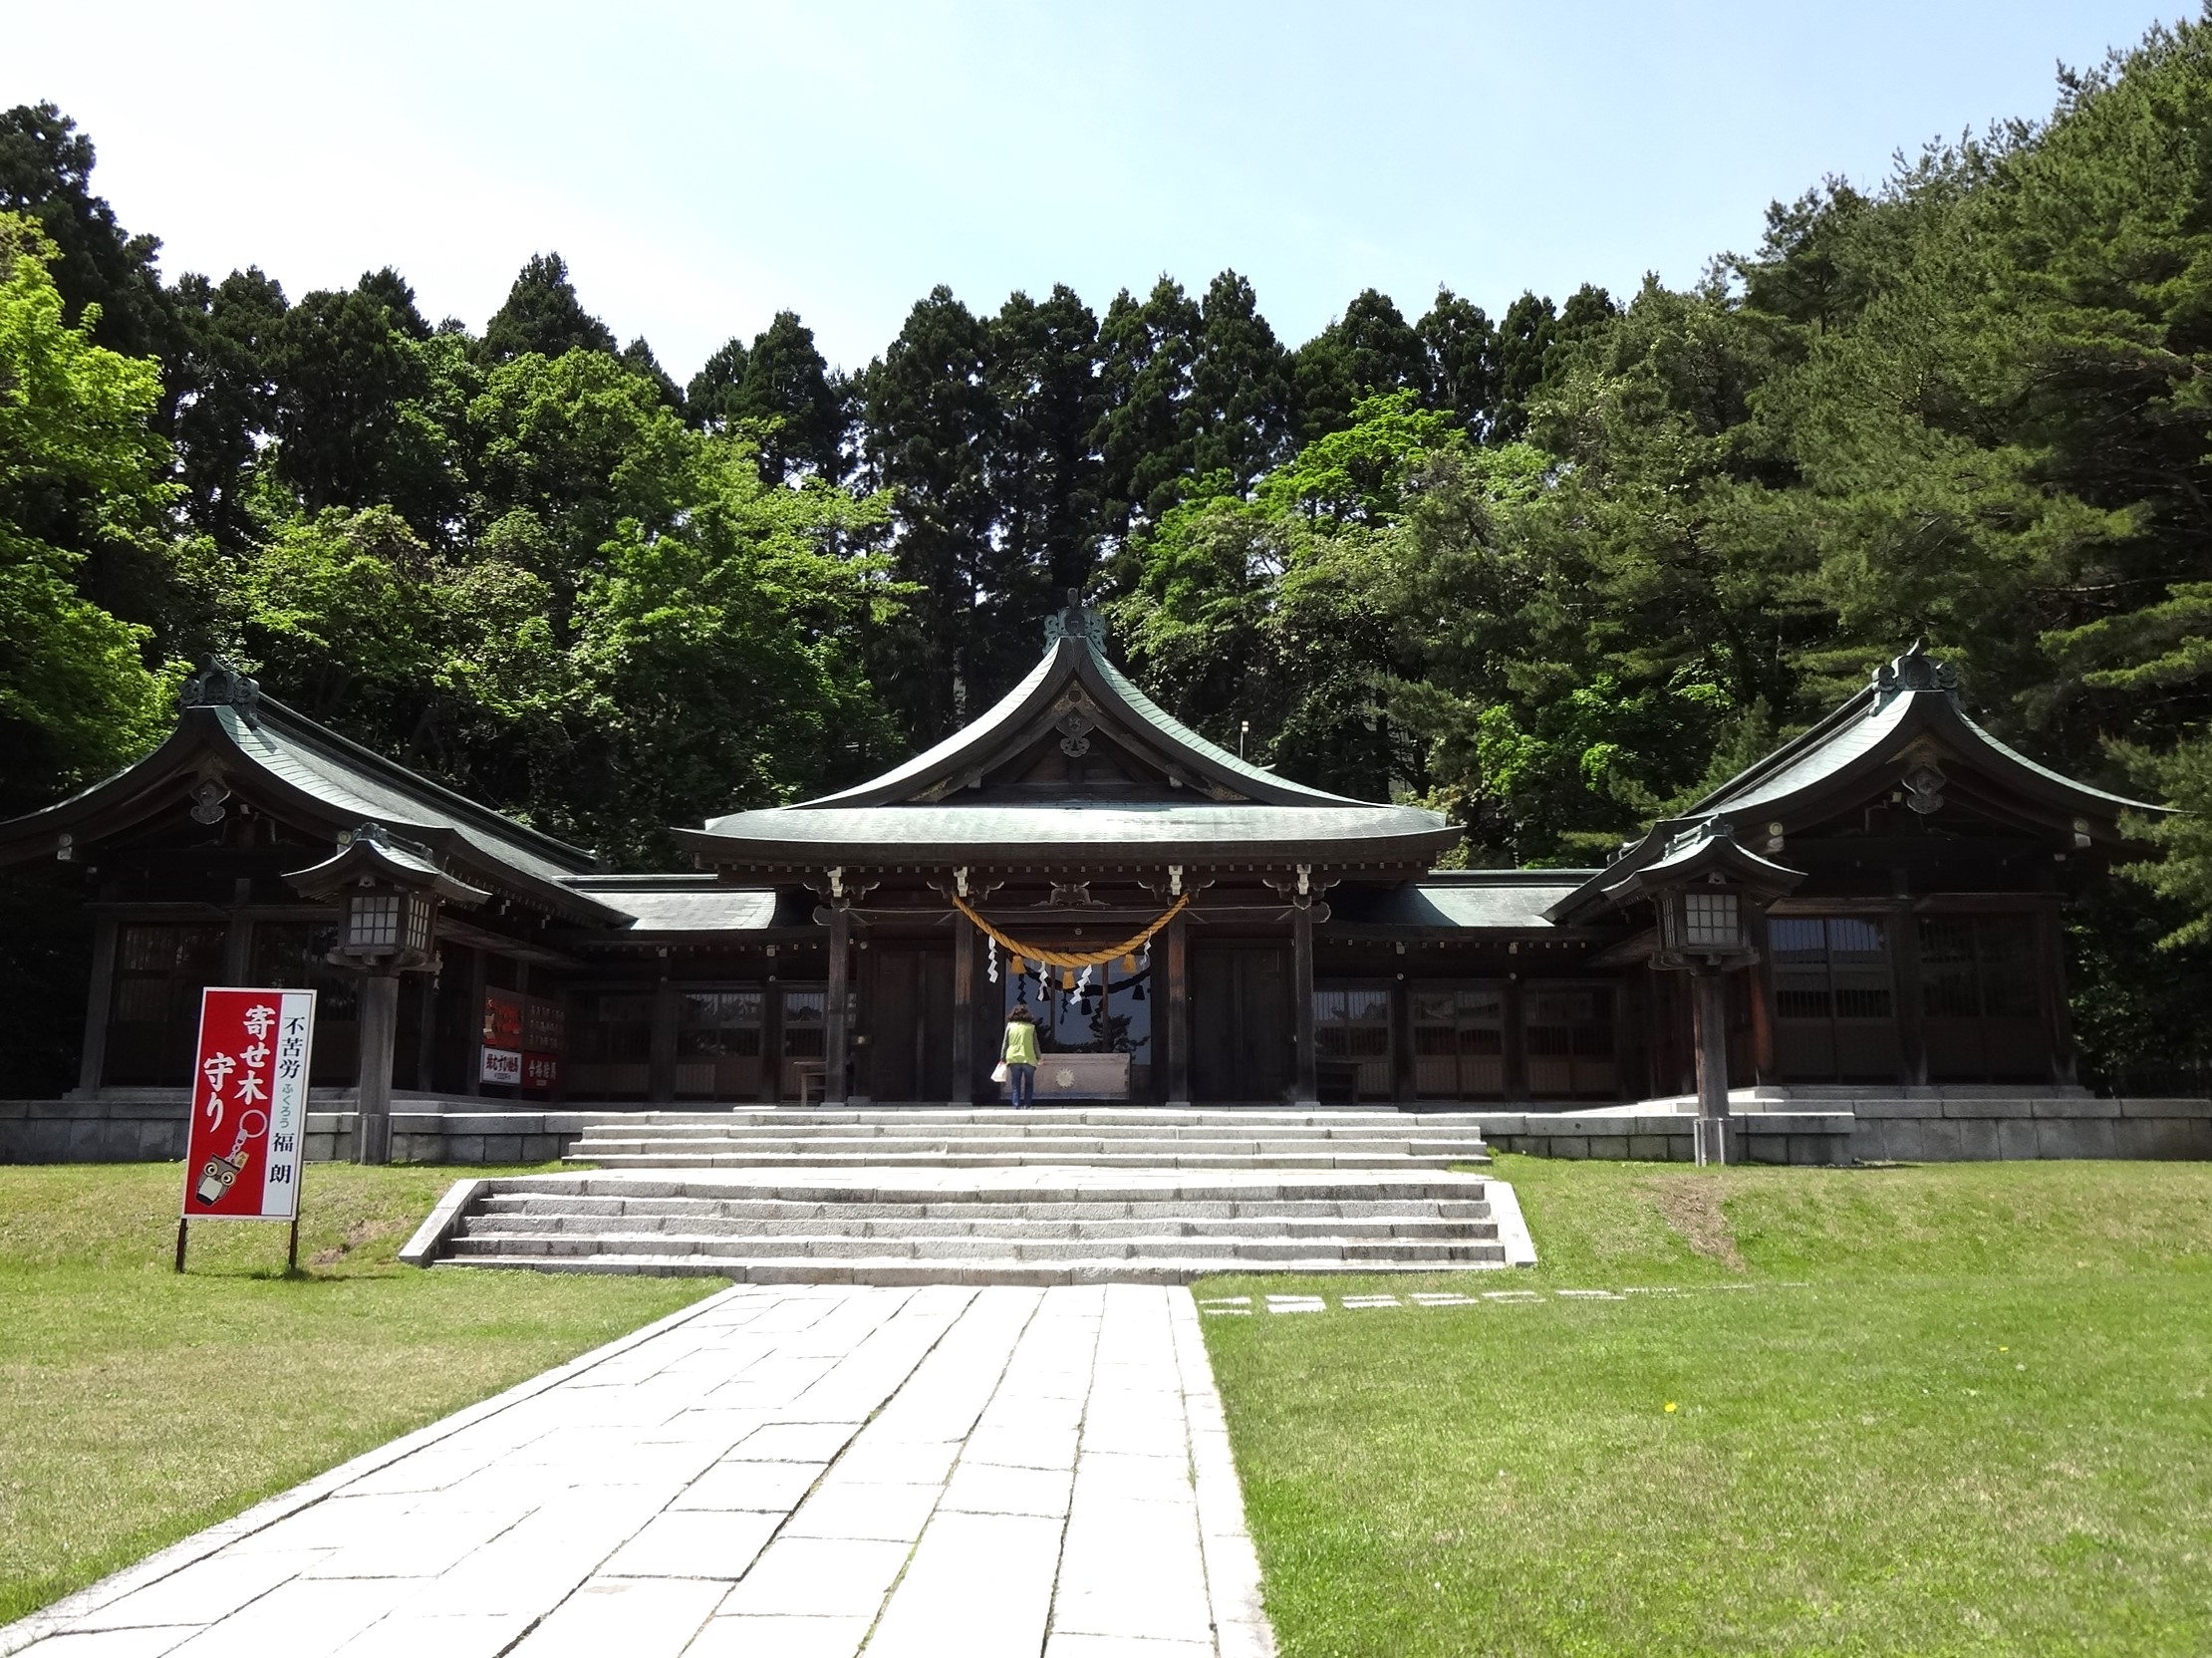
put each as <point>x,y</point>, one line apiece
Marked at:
<point>248,1133</point>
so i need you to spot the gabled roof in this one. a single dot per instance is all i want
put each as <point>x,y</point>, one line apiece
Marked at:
<point>1901,730</point>
<point>1074,670</point>
<point>1913,696</point>
<point>230,739</point>
<point>1217,807</point>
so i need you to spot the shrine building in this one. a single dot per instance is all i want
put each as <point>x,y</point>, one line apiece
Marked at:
<point>1188,926</point>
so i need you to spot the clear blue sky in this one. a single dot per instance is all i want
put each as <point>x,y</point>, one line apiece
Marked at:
<point>702,166</point>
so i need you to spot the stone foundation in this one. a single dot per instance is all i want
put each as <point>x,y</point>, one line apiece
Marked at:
<point>1657,1134</point>
<point>1824,1127</point>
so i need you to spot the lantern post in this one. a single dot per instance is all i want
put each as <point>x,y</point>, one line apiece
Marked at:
<point>1704,888</point>
<point>389,892</point>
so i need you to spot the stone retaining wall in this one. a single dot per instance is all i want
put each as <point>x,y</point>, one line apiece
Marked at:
<point>1938,1128</point>
<point>1656,1136</point>
<point>1968,1130</point>
<point>153,1131</point>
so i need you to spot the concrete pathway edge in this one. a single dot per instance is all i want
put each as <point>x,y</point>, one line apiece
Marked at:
<point>50,1620</point>
<point>1513,1225</point>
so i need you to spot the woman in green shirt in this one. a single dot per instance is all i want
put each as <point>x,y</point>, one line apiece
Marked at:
<point>1020,1054</point>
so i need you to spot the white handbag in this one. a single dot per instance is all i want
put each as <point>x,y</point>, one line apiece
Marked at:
<point>999,1072</point>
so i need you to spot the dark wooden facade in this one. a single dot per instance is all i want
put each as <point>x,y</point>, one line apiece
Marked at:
<point>817,952</point>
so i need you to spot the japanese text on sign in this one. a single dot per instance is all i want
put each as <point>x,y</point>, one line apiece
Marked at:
<point>248,1128</point>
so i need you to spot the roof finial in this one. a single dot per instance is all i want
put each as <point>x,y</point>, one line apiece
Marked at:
<point>218,685</point>
<point>1912,673</point>
<point>1075,620</point>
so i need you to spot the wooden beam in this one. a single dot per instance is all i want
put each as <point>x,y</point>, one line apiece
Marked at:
<point>835,1045</point>
<point>661,1056</point>
<point>473,1068</point>
<point>1306,1089</point>
<point>1904,954</point>
<point>2051,993</point>
<point>92,1060</point>
<point>964,1011</point>
<point>1175,1014</point>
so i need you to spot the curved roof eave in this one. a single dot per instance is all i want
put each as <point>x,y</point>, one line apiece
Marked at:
<point>1416,847</point>
<point>113,793</point>
<point>213,735</point>
<point>1786,789</point>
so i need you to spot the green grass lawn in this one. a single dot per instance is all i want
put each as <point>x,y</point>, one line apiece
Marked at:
<point>1929,1410</point>
<point>136,1407</point>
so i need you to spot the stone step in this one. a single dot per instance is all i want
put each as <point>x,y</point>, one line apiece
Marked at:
<point>1225,1252</point>
<point>1025,1127</point>
<point>862,1225</point>
<point>1148,1117</point>
<point>807,1269</point>
<point>970,1210</point>
<point>1066,1147</point>
<point>1024,1157</point>
<point>1010,1186</point>
<point>1056,1194</point>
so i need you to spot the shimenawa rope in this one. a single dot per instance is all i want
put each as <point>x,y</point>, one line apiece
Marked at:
<point>1071,957</point>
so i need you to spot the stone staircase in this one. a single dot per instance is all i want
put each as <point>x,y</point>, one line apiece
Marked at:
<point>1043,1197</point>
<point>894,1137</point>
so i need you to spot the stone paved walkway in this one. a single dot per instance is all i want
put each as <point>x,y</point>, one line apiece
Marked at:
<point>776,1472</point>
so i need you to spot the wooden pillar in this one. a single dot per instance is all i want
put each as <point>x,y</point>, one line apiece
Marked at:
<point>1306,1090</point>
<point>380,1026</point>
<point>771,1037</point>
<point>426,1035</point>
<point>964,1011</point>
<point>472,1064</point>
<point>660,1056</point>
<point>2051,996</point>
<point>1631,1050</point>
<point>1515,1043</point>
<point>100,994</point>
<point>1401,1042</point>
<point>1910,1005</point>
<point>238,935</point>
<point>1709,1005</point>
<point>835,1036</point>
<point>1177,1014</point>
<point>1762,991</point>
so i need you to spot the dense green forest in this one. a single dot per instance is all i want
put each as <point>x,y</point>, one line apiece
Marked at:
<point>1552,572</point>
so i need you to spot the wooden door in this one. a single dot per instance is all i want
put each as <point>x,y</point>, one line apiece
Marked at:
<point>908,1020</point>
<point>1835,1016</point>
<point>1240,1022</point>
<point>1978,984</point>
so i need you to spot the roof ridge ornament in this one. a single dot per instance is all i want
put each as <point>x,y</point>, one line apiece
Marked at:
<point>221,685</point>
<point>1075,620</point>
<point>1914,672</point>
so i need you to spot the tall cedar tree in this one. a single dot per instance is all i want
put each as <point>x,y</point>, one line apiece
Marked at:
<point>542,314</point>
<point>931,421</point>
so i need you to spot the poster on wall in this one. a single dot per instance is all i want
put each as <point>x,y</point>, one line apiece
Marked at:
<point>248,1129</point>
<point>503,1039</point>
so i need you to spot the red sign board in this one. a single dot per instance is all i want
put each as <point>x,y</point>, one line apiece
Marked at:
<point>500,1057</point>
<point>248,1133</point>
<point>541,1071</point>
<point>502,1019</point>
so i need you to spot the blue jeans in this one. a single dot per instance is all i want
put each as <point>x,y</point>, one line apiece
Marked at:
<point>1021,1080</point>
